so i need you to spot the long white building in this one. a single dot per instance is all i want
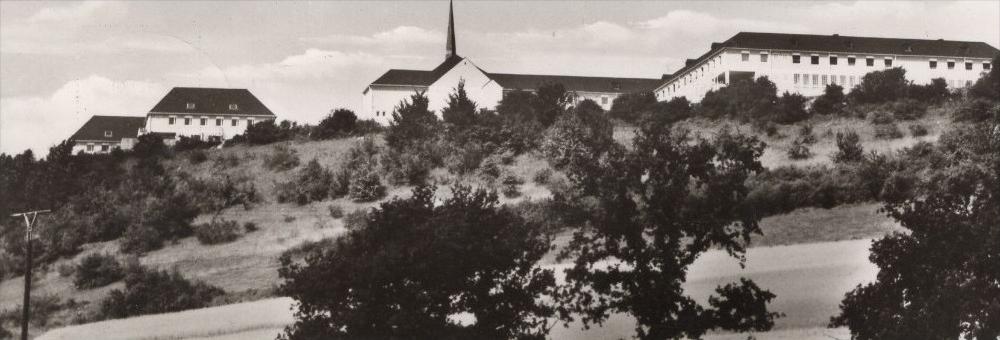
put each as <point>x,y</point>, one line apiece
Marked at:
<point>211,114</point>
<point>805,64</point>
<point>380,98</point>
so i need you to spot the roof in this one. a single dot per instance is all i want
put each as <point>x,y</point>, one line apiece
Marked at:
<point>211,101</point>
<point>846,44</point>
<point>575,83</point>
<point>417,77</point>
<point>120,127</point>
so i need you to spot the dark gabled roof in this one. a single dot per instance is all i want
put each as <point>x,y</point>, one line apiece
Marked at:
<point>574,83</point>
<point>417,77</point>
<point>847,45</point>
<point>120,127</point>
<point>211,101</point>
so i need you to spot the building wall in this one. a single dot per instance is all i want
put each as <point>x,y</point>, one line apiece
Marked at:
<point>811,79</point>
<point>482,90</point>
<point>96,147</point>
<point>380,100</point>
<point>160,122</point>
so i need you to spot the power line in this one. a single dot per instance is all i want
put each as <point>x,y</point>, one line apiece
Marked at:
<point>29,223</point>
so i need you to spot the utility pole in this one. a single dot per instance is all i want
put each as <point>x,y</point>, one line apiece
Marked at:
<point>29,222</point>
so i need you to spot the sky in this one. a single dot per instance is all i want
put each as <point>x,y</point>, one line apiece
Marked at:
<point>62,62</point>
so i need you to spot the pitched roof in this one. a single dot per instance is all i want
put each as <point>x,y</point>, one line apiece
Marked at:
<point>211,101</point>
<point>120,127</point>
<point>417,77</point>
<point>847,45</point>
<point>575,83</point>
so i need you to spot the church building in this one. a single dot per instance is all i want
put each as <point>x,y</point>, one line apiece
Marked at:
<point>484,88</point>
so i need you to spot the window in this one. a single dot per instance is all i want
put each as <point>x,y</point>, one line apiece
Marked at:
<point>796,59</point>
<point>888,63</point>
<point>604,100</point>
<point>105,147</point>
<point>814,60</point>
<point>796,79</point>
<point>234,107</point>
<point>843,80</point>
<point>763,57</point>
<point>234,122</point>
<point>850,61</point>
<point>825,80</point>
<point>108,133</point>
<point>745,56</point>
<point>986,66</point>
<point>203,121</point>
<point>951,65</point>
<point>190,106</point>
<point>187,121</point>
<point>968,66</point>
<point>90,147</point>
<point>249,122</point>
<point>933,64</point>
<point>815,79</point>
<point>170,121</point>
<point>833,60</point>
<point>870,61</point>
<point>218,122</point>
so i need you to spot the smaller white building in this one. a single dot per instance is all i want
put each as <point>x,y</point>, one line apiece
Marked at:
<point>805,64</point>
<point>213,114</point>
<point>102,134</point>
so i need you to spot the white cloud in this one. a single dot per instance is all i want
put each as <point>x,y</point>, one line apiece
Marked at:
<point>398,37</point>
<point>73,12</point>
<point>38,122</point>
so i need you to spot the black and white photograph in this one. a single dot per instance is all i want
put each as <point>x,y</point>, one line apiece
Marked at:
<point>523,170</point>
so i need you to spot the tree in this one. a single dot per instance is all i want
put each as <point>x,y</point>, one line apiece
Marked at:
<point>578,136</point>
<point>790,108</point>
<point>461,111</point>
<point>414,263</point>
<point>519,120</point>
<point>753,100</point>
<point>935,92</point>
<point>674,110</point>
<point>832,101</point>
<point>988,87</point>
<point>549,101</point>
<point>880,86</point>
<point>630,106</point>
<point>412,123</point>
<point>339,123</point>
<point>939,280</point>
<point>647,213</point>
<point>849,148</point>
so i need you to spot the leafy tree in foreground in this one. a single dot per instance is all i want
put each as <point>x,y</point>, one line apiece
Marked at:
<point>650,211</point>
<point>942,279</point>
<point>339,123</point>
<point>412,123</point>
<point>413,265</point>
<point>461,111</point>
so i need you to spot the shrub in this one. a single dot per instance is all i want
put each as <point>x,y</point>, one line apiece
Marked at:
<point>832,101</point>
<point>64,270</point>
<point>43,307</point>
<point>97,270</point>
<point>750,100</point>
<point>412,123</point>
<point>312,183</point>
<point>888,131</point>
<point>281,158</point>
<point>288,218</point>
<point>630,107</point>
<point>139,238</point>
<point>197,156</point>
<point>543,176</point>
<point>366,187</point>
<point>880,86</point>
<point>250,227</point>
<point>217,231</point>
<point>790,108</point>
<point>460,111</point>
<point>226,161</point>
<point>918,130</point>
<point>798,150</point>
<point>357,219</point>
<point>908,109</point>
<point>880,117</point>
<point>336,211</point>
<point>848,148</point>
<point>185,143</point>
<point>405,168</point>
<point>673,110</point>
<point>510,185</point>
<point>339,123</point>
<point>150,291</point>
<point>260,133</point>
<point>934,92</point>
<point>975,110</point>
<point>806,135</point>
<point>366,127</point>
<point>578,137</point>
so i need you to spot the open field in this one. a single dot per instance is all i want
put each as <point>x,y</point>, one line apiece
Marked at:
<point>809,281</point>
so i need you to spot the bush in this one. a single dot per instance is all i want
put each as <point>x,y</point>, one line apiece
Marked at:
<point>880,86</point>
<point>43,307</point>
<point>186,143</point>
<point>260,133</point>
<point>357,219</point>
<point>336,211</point>
<point>97,270</point>
<point>412,124</point>
<point>887,131</point>
<point>367,127</point>
<point>918,130</point>
<point>226,161</point>
<point>405,168</point>
<point>339,123</point>
<point>908,109</point>
<point>832,101</point>
<point>880,117</point>
<point>749,100</point>
<point>217,231</point>
<point>510,185</point>
<point>543,176</point>
<point>848,148</point>
<point>975,110</point>
<point>790,108</point>
<point>798,150</point>
<point>139,238</point>
<point>250,227</point>
<point>197,156</point>
<point>150,291</point>
<point>630,107</point>
<point>281,158</point>
<point>806,135</point>
<point>578,137</point>
<point>672,111</point>
<point>366,187</point>
<point>312,183</point>
<point>934,93</point>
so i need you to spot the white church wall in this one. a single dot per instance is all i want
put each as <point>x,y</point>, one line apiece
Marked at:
<point>380,100</point>
<point>485,92</point>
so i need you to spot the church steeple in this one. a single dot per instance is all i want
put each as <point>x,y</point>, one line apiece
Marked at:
<point>450,49</point>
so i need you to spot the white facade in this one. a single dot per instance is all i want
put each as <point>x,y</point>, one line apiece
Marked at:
<point>813,71</point>
<point>203,126</point>
<point>379,101</point>
<point>482,90</point>
<point>102,146</point>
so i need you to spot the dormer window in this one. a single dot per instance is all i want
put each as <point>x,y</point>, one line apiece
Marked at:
<point>233,107</point>
<point>107,133</point>
<point>190,106</point>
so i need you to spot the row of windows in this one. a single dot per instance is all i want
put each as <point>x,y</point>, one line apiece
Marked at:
<point>204,121</point>
<point>232,107</point>
<point>851,61</point>
<point>824,79</point>
<point>104,147</point>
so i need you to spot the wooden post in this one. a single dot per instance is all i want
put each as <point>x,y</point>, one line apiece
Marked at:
<point>26,306</point>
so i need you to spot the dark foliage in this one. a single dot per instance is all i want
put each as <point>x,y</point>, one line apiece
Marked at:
<point>880,86</point>
<point>976,110</point>
<point>217,231</point>
<point>917,130</point>
<point>833,101</point>
<point>888,131</point>
<point>673,110</point>
<point>630,107</point>
<point>933,93</point>
<point>312,183</point>
<point>43,307</point>
<point>97,270</point>
<point>260,133</point>
<point>414,263</point>
<point>549,102</point>
<point>749,100</point>
<point>150,291</point>
<point>799,150</point>
<point>791,108</point>
<point>281,158</point>
<point>413,124</point>
<point>461,111</point>
<point>579,137</point>
<point>339,123</point>
<point>185,143</point>
<point>988,87</point>
<point>366,187</point>
<point>848,147</point>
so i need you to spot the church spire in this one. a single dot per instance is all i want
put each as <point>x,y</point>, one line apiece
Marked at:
<point>450,49</point>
